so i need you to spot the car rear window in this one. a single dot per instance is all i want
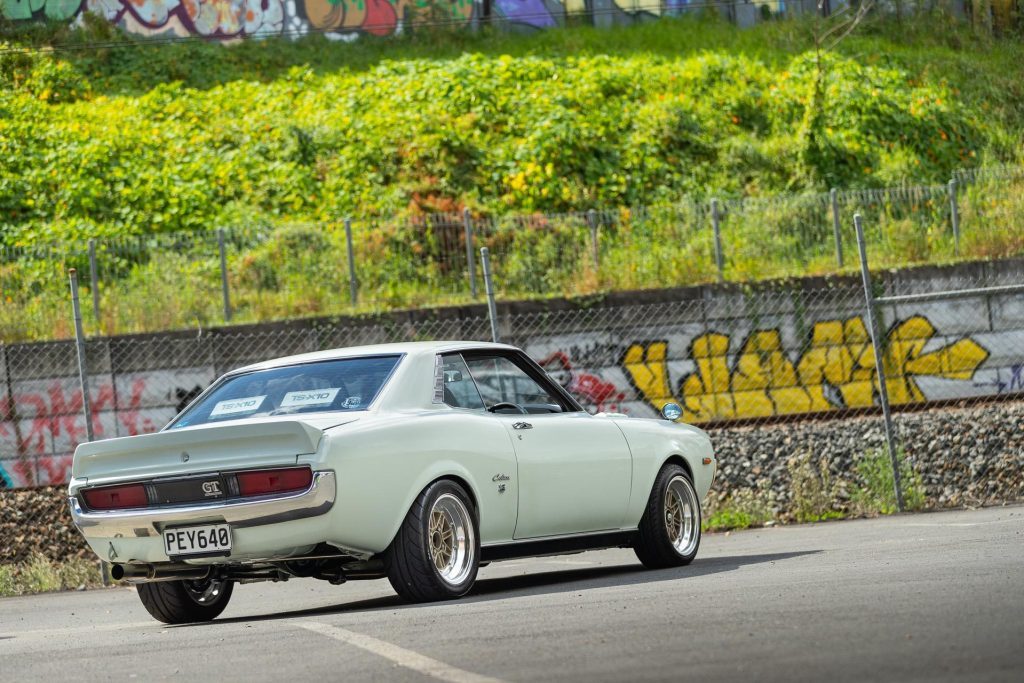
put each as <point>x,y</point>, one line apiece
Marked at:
<point>345,384</point>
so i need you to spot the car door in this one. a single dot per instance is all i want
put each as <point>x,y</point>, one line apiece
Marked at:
<point>574,469</point>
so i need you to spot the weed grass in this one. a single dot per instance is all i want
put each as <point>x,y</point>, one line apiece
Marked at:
<point>875,493</point>
<point>39,574</point>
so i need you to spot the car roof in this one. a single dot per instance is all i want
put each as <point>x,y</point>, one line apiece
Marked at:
<point>406,348</point>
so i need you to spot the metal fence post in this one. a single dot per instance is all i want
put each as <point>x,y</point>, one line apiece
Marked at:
<point>492,308</point>
<point>94,281</point>
<point>467,222</point>
<point>83,375</point>
<point>719,261</point>
<point>594,246</point>
<point>954,216</point>
<point>353,285</point>
<point>883,389</point>
<point>837,233</point>
<point>224,275</point>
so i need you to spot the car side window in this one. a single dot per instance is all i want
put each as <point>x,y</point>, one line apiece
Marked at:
<point>460,391</point>
<point>502,381</point>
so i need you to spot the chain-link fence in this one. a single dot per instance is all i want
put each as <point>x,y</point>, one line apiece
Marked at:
<point>784,375</point>
<point>197,280</point>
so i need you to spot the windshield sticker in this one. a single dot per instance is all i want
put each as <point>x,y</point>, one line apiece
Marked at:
<point>313,397</point>
<point>237,405</point>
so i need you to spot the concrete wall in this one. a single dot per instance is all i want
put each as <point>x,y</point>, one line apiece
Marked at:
<point>723,352</point>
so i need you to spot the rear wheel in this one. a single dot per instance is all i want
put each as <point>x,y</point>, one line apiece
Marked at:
<point>182,602</point>
<point>436,553</point>
<point>670,528</point>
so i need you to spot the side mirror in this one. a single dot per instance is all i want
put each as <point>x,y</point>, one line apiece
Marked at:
<point>671,411</point>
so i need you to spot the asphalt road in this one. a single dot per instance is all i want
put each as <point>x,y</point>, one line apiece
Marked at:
<point>918,597</point>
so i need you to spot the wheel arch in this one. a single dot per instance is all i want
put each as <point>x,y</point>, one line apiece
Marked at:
<point>678,459</point>
<point>429,478</point>
<point>461,481</point>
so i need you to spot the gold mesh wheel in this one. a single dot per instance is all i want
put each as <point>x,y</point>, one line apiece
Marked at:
<point>451,541</point>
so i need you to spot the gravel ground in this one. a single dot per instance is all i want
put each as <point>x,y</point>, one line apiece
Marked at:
<point>970,456</point>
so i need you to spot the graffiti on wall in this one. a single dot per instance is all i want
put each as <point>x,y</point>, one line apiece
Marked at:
<point>837,370</point>
<point>232,19</point>
<point>383,17</point>
<point>41,422</point>
<point>550,13</point>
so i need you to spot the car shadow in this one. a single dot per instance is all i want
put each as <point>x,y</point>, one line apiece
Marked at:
<point>538,583</point>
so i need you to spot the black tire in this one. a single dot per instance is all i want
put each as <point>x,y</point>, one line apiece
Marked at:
<point>658,546</point>
<point>184,602</point>
<point>410,560</point>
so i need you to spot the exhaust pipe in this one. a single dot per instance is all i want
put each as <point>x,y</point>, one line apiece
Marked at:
<point>147,573</point>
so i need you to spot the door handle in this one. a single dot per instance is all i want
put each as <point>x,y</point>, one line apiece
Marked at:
<point>522,425</point>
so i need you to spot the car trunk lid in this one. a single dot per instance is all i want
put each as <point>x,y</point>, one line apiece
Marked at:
<point>251,444</point>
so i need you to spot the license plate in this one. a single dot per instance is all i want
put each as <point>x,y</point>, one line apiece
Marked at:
<point>214,539</point>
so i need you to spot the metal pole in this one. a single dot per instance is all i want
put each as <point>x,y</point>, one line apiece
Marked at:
<point>83,375</point>
<point>837,233</point>
<point>224,275</point>
<point>492,308</point>
<point>954,217</point>
<point>594,247</point>
<point>467,222</point>
<point>94,281</point>
<point>353,285</point>
<point>718,240</point>
<point>883,389</point>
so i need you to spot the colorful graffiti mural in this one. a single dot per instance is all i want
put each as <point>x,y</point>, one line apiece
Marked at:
<point>837,370</point>
<point>383,17</point>
<point>549,13</point>
<point>232,19</point>
<point>42,421</point>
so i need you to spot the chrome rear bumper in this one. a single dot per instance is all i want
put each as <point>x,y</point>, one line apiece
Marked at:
<point>249,512</point>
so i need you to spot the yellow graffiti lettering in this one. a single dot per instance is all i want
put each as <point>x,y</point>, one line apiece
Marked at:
<point>837,370</point>
<point>765,381</point>
<point>647,367</point>
<point>839,357</point>
<point>707,392</point>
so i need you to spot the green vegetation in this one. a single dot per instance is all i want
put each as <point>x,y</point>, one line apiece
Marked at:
<point>875,493</point>
<point>740,509</point>
<point>812,491</point>
<point>40,575</point>
<point>284,139</point>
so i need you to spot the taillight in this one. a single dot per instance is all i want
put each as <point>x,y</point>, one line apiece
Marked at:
<point>116,497</point>
<point>262,482</point>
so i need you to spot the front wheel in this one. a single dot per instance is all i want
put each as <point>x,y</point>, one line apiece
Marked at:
<point>436,552</point>
<point>182,602</point>
<point>670,527</point>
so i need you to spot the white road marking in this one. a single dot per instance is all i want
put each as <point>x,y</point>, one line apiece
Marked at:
<point>399,655</point>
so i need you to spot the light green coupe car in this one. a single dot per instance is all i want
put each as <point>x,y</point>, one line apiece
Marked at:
<point>417,462</point>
